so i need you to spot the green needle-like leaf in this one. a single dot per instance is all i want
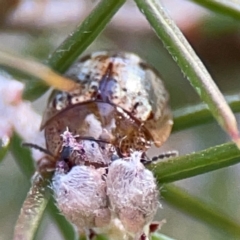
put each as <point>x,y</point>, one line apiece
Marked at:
<point>3,151</point>
<point>84,35</point>
<point>195,208</point>
<point>63,225</point>
<point>77,42</point>
<point>158,236</point>
<point>190,64</point>
<point>190,116</point>
<point>37,198</point>
<point>193,164</point>
<point>22,156</point>
<point>32,210</point>
<point>229,8</point>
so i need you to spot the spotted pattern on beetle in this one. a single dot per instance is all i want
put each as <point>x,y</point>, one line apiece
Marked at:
<point>128,83</point>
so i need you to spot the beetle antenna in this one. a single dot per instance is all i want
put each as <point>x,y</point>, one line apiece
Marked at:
<point>32,145</point>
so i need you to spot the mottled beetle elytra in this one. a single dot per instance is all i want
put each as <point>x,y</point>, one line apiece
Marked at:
<point>123,94</point>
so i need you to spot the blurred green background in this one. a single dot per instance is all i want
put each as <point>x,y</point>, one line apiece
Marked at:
<point>36,28</point>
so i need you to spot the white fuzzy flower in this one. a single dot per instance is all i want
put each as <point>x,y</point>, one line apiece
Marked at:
<point>133,194</point>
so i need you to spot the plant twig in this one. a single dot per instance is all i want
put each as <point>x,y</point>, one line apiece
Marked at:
<point>32,210</point>
<point>191,116</point>
<point>37,70</point>
<point>194,164</point>
<point>22,156</point>
<point>229,8</point>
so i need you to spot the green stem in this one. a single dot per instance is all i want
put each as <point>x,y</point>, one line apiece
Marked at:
<point>77,42</point>
<point>193,164</point>
<point>159,236</point>
<point>3,151</point>
<point>64,227</point>
<point>84,35</point>
<point>190,64</point>
<point>32,210</point>
<point>229,8</point>
<point>192,206</point>
<point>187,117</point>
<point>22,156</point>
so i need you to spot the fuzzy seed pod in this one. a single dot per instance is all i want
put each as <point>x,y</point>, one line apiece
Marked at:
<point>133,194</point>
<point>81,195</point>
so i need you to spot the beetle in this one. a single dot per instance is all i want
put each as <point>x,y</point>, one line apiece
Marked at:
<point>97,135</point>
<point>119,99</point>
